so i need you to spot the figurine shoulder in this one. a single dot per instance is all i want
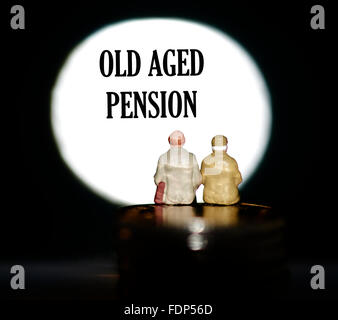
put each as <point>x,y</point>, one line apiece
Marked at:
<point>192,156</point>
<point>210,159</point>
<point>163,158</point>
<point>232,160</point>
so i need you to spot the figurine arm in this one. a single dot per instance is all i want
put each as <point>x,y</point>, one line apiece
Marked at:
<point>159,175</point>
<point>197,177</point>
<point>237,173</point>
<point>202,172</point>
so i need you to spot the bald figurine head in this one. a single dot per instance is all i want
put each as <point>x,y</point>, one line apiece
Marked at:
<point>176,139</point>
<point>219,142</point>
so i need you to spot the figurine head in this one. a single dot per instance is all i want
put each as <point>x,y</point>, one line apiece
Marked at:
<point>219,142</point>
<point>176,139</point>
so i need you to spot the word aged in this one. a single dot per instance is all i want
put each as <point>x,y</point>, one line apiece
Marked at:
<point>153,104</point>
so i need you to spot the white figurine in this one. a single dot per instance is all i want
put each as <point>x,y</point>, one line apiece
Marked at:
<point>177,176</point>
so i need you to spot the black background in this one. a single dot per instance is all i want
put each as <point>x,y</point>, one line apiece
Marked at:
<point>51,214</point>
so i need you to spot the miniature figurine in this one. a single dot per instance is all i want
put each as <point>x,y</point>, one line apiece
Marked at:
<point>177,176</point>
<point>220,174</point>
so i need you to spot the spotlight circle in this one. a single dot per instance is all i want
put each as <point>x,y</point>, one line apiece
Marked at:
<point>116,158</point>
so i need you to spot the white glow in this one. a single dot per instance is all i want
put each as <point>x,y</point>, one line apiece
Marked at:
<point>196,241</point>
<point>117,157</point>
